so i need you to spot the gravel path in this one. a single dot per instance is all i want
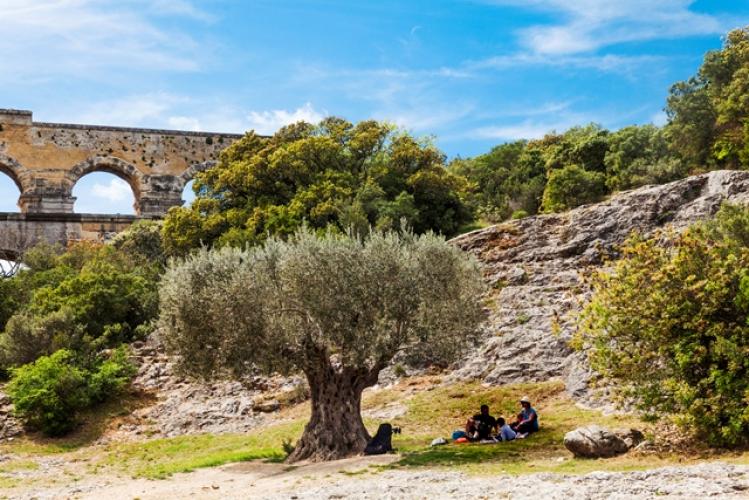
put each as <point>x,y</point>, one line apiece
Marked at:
<point>326,481</point>
<point>708,480</point>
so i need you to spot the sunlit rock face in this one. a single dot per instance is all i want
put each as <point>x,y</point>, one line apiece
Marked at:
<point>536,268</point>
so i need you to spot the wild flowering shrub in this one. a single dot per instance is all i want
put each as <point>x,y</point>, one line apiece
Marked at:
<point>669,324</point>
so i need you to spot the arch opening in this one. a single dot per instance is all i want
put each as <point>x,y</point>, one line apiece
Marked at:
<point>10,191</point>
<point>104,192</point>
<point>9,268</point>
<point>188,193</point>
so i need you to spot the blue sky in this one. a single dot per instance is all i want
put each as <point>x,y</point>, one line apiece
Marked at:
<point>471,73</point>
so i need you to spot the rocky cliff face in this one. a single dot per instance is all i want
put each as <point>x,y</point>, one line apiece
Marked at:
<point>535,267</point>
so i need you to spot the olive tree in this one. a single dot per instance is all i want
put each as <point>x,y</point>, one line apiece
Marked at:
<point>337,308</point>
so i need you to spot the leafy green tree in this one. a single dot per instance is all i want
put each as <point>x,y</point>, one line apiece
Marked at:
<point>331,174</point>
<point>691,126</point>
<point>669,326</point>
<point>142,245</point>
<point>86,298</point>
<point>572,186</point>
<point>708,113</point>
<point>9,300</point>
<point>102,294</point>
<point>640,155</point>
<point>509,177</point>
<point>27,337</point>
<point>584,146</point>
<point>336,308</point>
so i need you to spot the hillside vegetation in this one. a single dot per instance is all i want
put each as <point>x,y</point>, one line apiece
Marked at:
<point>331,228</point>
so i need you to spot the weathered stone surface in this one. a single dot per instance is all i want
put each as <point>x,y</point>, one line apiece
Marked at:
<point>45,160</point>
<point>9,425</point>
<point>598,442</point>
<point>536,265</point>
<point>184,406</point>
<point>267,406</point>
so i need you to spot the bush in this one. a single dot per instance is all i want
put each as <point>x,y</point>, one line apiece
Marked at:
<point>27,337</point>
<point>572,186</point>
<point>142,244</point>
<point>669,326</point>
<point>49,392</point>
<point>88,298</point>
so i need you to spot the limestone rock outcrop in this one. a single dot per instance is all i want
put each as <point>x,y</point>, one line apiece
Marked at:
<point>536,266</point>
<point>598,442</point>
<point>183,406</point>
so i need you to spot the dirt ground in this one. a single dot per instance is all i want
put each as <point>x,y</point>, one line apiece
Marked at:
<point>363,477</point>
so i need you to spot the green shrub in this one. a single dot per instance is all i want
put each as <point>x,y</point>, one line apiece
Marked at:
<point>49,393</point>
<point>572,186</point>
<point>88,298</point>
<point>27,337</point>
<point>669,326</point>
<point>142,243</point>
<point>519,214</point>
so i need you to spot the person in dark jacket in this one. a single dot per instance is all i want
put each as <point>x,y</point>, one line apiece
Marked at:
<point>481,426</point>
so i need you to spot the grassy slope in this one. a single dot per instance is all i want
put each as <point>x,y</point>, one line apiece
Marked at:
<point>432,410</point>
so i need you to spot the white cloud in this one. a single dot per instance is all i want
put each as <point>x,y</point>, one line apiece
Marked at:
<point>608,63</point>
<point>178,8</point>
<point>46,39</point>
<point>525,130</point>
<point>116,190</point>
<point>172,111</point>
<point>268,122</point>
<point>536,124</point>
<point>588,25</point>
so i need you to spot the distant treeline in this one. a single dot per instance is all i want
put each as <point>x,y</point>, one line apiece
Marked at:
<point>707,129</point>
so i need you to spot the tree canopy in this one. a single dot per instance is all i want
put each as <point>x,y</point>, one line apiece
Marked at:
<point>708,113</point>
<point>337,308</point>
<point>334,174</point>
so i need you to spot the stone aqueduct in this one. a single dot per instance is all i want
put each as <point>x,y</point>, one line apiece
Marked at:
<point>45,160</point>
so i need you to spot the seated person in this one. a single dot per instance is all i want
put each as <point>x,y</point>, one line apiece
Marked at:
<point>481,425</point>
<point>527,421</point>
<point>505,432</point>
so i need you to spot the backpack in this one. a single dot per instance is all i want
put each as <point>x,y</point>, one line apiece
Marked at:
<point>381,443</point>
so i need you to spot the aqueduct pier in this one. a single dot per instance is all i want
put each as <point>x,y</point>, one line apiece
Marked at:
<point>45,160</point>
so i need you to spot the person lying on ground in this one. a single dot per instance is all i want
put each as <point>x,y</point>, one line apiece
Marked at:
<point>505,431</point>
<point>527,421</point>
<point>480,426</point>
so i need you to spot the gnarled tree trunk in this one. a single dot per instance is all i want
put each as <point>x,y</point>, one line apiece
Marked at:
<point>335,429</point>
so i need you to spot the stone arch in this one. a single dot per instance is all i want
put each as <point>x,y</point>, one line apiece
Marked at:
<point>189,174</point>
<point>110,164</point>
<point>20,175</point>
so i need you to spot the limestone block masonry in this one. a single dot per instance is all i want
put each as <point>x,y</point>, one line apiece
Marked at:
<point>45,160</point>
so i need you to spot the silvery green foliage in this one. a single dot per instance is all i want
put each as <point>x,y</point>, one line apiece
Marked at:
<point>313,301</point>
